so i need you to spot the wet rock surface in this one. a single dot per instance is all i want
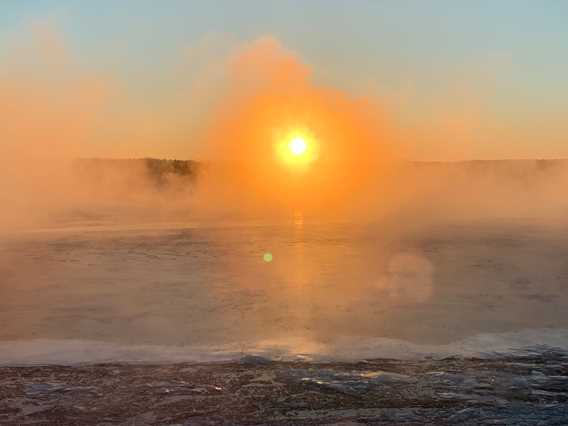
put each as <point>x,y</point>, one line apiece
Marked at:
<point>522,390</point>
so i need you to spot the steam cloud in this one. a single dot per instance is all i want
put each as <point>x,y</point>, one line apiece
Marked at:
<point>270,95</point>
<point>54,112</point>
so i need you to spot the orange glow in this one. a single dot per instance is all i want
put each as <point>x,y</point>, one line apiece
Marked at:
<point>281,142</point>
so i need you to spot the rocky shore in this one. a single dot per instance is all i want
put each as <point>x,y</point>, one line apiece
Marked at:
<point>523,390</point>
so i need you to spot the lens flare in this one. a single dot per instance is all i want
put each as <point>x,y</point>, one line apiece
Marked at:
<point>267,257</point>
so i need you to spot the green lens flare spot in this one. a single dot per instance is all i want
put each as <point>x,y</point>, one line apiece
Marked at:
<point>267,257</point>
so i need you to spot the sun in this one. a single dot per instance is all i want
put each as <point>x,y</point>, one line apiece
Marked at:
<point>298,146</point>
<point>297,150</point>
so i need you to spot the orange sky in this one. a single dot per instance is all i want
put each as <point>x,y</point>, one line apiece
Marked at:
<point>55,97</point>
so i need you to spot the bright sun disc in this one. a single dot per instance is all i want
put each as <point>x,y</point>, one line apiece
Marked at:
<point>297,146</point>
<point>297,150</point>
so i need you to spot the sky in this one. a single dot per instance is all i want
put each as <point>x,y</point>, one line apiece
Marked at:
<point>459,79</point>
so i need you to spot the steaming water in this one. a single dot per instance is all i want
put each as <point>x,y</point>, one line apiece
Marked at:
<point>330,291</point>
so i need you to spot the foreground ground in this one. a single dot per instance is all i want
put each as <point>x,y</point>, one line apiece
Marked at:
<point>521,390</point>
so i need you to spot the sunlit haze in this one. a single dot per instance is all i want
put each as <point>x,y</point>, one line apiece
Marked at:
<point>462,81</point>
<point>283,212</point>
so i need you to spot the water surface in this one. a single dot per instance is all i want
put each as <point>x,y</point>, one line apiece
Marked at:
<point>288,289</point>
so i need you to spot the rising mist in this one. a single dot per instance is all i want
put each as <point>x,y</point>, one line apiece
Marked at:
<point>57,111</point>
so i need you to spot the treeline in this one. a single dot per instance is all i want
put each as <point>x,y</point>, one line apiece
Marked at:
<point>505,168</point>
<point>522,173</point>
<point>160,172</point>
